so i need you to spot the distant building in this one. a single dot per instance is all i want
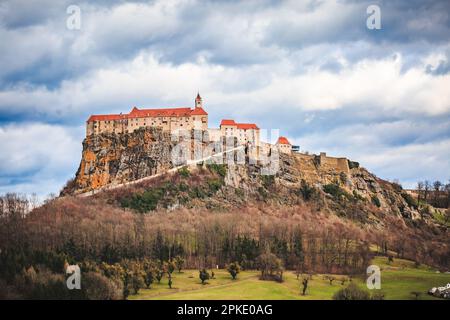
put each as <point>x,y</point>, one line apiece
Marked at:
<point>284,145</point>
<point>246,133</point>
<point>170,119</point>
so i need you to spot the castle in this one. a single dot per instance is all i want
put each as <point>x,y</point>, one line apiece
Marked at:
<point>173,119</point>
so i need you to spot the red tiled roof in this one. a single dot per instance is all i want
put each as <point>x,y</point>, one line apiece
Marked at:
<point>141,113</point>
<point>283,140</point>
<point>245,126</point>
<point>227,122</point>
<point>199,112</point>
<point>106,117</point>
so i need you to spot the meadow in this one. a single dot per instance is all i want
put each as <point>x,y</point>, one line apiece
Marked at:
<point>399,279</point>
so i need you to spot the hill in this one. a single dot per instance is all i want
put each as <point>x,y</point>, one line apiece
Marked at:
<point>316,214</point>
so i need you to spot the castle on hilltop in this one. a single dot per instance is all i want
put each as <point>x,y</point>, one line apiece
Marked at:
<point>173,119</point>
<point>109,158</point>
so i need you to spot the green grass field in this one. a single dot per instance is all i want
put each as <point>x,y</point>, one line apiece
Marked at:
<point>398,280</point>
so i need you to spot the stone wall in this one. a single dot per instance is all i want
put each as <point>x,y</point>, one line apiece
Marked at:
<point>332,163</point>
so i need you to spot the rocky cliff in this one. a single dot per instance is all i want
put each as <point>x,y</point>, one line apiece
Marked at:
<point>111,160</point>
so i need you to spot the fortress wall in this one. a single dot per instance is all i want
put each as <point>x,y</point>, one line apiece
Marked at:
<point>342,165</point>
<point>304,156</point>
<point>332,163</point>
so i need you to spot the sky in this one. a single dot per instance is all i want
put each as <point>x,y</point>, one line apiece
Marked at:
<point>311,69</point>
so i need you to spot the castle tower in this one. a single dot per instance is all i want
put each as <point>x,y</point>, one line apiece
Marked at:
<point>198,101</point>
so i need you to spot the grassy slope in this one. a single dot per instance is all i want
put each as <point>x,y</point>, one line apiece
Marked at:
<point>398,280</point>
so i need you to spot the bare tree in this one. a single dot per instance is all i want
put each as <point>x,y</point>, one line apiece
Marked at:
<point>437,188</point>
<point>427,188</point>
<point>420,187</point>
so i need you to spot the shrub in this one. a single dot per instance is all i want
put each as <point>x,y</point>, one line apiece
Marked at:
<point>376,201</point>
<point>197,192</point>
<point>267,180</point>
<point>98,287</point>
<point>203,275</point>
<point>357,196</point>
<point>45,285</point>
<point>351,292</point>
<point>332,189</point>
<point>214,185</point>
<point>271,267</point>
<point>179,262</point>
<point>336,191</point>
<point>220,169</point>
<point>306,190</point>
<point>233,268</point>
<point>410,200</point>
<point>144,202</point>
<point>184,172</point>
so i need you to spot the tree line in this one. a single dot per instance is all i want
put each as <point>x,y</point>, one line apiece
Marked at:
<point>89,232</point>
<point>435,193</point>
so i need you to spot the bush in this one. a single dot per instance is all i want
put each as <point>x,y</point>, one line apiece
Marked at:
<point>336,191</point>
<point>184,172</point>
<point>203,275</point>
<point>271,267</point>
<point>45,285</point>
<point>220,169</point>
<point>376,201</point>
<point>267,181</point>
<point>99,287</point>
<point>233,268</point>
<point>332,189</point>
<point>306,190</point>
<point>357,196</point>
<point>144,202</point>
<point>214,185</point>
<point>352,292</point>
<point>410,200</point>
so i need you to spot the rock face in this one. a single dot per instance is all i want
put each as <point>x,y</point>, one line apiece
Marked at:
<point>110,159</point>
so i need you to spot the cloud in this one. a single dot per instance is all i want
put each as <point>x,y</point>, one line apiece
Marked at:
<point>37,157</point>
<point>374,86</point>
<point>311,69</point>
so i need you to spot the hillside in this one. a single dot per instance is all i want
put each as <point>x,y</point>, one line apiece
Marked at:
<point>333,189</point>
<point>110,160</point>
<point>316,214</point>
